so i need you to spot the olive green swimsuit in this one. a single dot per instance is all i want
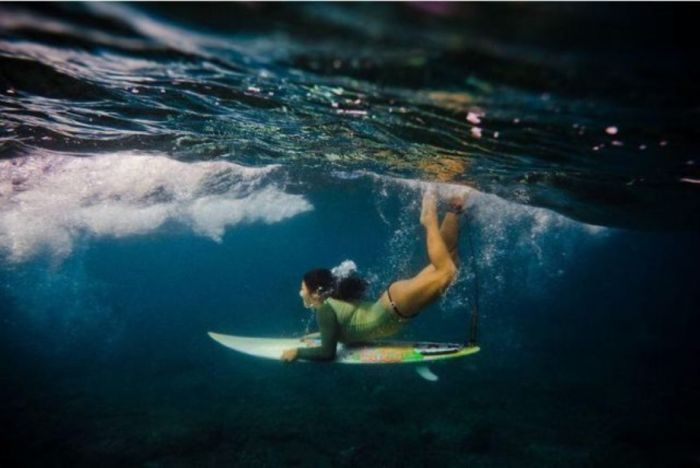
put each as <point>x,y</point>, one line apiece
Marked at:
<point>345,322</point>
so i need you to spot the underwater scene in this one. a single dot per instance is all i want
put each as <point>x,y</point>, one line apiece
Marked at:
<point>173,169</point>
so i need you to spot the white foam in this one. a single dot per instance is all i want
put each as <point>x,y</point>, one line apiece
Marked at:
<point>48,200</point>
<point>543,240</point>
<point>344,269</point>
<point>442,189</point>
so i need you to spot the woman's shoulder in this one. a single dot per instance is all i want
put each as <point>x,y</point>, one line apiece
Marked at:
<point>339,304</point>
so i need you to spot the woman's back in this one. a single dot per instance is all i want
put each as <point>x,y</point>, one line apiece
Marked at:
<point>362,321</point>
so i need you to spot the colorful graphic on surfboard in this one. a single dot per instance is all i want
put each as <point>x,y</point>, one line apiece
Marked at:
<point>376,352</point>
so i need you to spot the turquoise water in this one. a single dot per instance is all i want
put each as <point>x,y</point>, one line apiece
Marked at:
<point>166,170</point>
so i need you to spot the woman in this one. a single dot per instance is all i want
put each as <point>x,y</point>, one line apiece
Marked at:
<point>341,318</point>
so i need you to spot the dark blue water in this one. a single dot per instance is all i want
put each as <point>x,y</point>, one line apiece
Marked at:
<point>166,170</point>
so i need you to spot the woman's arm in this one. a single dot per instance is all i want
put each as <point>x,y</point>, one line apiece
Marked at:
<point>329,327</point>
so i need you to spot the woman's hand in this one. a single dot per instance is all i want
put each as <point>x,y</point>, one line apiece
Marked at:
<point>289,355</point>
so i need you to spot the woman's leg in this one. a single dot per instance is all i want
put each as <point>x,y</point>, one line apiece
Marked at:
<point>413,294</point>
<point>449,230</point>
<point>437,249</point>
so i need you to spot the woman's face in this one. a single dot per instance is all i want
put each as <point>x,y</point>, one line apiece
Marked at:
<point>308,298</point>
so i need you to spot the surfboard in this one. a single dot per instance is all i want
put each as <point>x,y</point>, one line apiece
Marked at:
<point>375,352</point>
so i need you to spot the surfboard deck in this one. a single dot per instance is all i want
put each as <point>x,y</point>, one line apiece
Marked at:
<point>375,352</point>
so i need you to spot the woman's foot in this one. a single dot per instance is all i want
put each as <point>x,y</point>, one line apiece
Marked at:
<point>428,213</point>
<point>458,203</point>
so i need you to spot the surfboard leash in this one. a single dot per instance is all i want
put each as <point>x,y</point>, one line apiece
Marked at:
<point>474,322</point>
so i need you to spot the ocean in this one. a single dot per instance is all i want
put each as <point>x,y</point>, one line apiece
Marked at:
<point>169,169</point>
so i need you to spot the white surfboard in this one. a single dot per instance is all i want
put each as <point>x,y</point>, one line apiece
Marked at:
<point>375,352</point>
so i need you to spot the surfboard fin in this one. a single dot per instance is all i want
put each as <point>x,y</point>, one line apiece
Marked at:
<point>426,373</point>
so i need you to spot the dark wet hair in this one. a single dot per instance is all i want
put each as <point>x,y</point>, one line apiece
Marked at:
<point>322,281</point>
